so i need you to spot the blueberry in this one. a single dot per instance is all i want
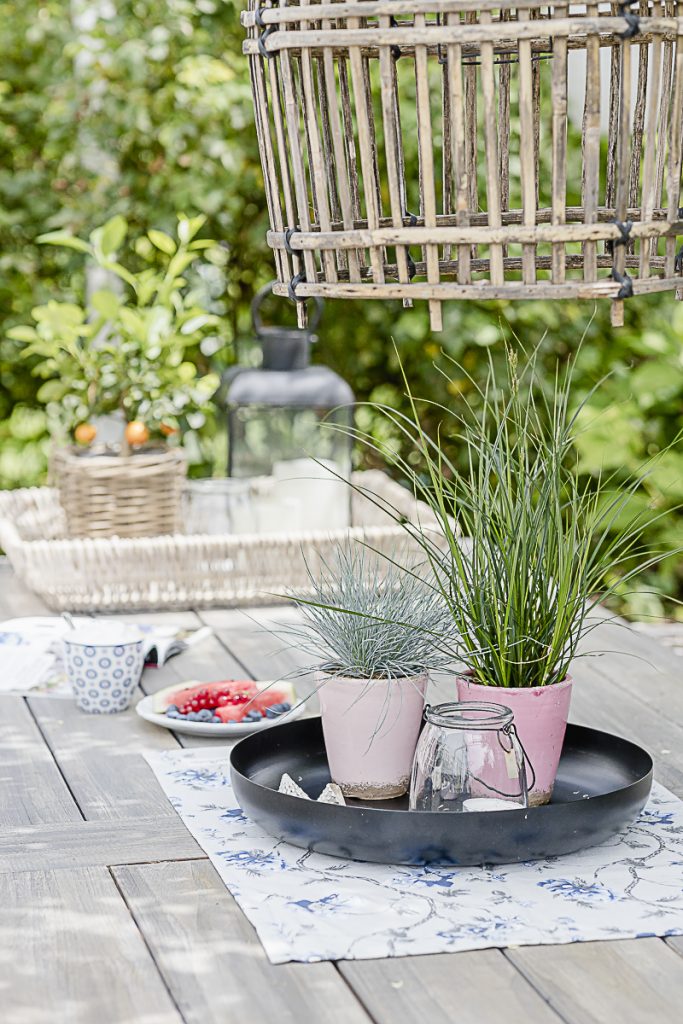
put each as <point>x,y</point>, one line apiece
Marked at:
<point>172,714</point>
<point>192,716</point>
<point>204,715</point>
<point>253,716</point>
<point>172,707</point>
<point>272,711</point>
<point>215,718</point>
<point>286,706</point>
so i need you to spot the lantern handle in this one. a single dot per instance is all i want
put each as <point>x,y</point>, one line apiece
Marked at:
<point>267,290</point>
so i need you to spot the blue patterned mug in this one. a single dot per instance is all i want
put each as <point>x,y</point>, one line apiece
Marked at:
<point>104,665</point>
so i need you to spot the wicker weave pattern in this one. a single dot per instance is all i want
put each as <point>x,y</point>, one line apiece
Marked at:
<point>119,496</point>
<point>89,575</point>
<point>332,83</point>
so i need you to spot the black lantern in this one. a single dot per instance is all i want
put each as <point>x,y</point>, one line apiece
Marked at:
<point>287,419</point>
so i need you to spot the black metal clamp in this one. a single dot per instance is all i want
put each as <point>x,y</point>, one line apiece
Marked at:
<point>632,20</point>
<point>412,269</point>
<point>624,235</point>
<point>292,286</point>
<point>288,241</point>
<point>296,253</point>
<point>266,30</point>
<point>678,262</point>
<point>395,49</point>
<point>626,290</point>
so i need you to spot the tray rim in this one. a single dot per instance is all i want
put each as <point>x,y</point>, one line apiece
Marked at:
<point>510,815</point>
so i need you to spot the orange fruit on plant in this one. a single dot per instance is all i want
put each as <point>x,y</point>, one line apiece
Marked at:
<point>85,433</point>
<point>136,432</point>
<point>168,430</point>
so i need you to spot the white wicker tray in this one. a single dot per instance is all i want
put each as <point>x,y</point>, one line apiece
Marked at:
<point>181,571</point>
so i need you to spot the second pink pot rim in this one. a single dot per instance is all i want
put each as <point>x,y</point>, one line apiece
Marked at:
<point>471,681</point>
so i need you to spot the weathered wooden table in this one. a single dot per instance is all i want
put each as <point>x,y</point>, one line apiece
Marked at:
<point>111,914</point>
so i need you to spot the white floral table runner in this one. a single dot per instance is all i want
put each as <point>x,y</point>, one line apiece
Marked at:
<point>307,906</point>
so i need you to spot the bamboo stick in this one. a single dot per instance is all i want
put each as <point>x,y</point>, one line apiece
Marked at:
<point>478,235</point>
<point>424,134</point>
<point>319,179</point>
<point>591,147</point>
<point>649,181</point>
<point>390,116</point>
<point>527,148</point>
<point>675,141</point>
<point>292,115</point>
<point>459,158</point>
<point>288,270</point>
<point>365,147</point>
<point>605,288</point>
<point>492,163</point>
<point>480,33</point>
<point>622,170</point>
<point>559,171</point>
<point>270,176</point>
<point>504,126</point>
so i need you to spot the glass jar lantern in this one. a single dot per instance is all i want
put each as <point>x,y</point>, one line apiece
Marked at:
<point>468,758</point>
<point>277,412</point>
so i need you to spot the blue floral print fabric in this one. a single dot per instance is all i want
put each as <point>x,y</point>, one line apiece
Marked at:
<point>308,907</point>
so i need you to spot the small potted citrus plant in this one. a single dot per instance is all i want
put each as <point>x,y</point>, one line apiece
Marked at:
<point>117,381</point>
<point>541,549</point>
<point>375,634</point>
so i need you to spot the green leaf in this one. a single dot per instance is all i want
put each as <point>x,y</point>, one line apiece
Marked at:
<point>204,243</point>
<point>188,227</point>
<point>22,333</point>
<point>106,303</point>
<point>121,272</point>
<point>195,323</point>
<point>65,239</point>
<point>52,391</point>
<point>133,322</point>
<point>180,262</point>
<point>109,237</point>
<point>162,241</point>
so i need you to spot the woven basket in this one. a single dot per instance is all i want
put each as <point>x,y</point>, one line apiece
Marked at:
<point>119,495</point>
<point>348,95</point>
<point>91,575</point>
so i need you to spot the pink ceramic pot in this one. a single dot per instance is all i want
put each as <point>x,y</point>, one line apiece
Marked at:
<point>541,714</point>
<point>371,728</point>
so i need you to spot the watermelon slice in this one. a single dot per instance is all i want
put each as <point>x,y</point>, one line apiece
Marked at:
<point>261,694</point>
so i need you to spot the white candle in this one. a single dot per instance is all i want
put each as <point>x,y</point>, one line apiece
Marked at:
<point>484,803</point>
<point>320,497</point>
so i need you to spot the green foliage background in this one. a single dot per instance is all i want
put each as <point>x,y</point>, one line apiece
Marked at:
<point>165,89</point>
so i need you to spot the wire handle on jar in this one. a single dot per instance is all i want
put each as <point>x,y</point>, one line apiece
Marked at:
<point>511,730</point>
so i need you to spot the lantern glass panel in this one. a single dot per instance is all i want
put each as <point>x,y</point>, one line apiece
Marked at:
<point>262,437</point>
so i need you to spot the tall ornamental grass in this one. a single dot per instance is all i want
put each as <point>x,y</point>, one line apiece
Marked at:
<point>529,550</point>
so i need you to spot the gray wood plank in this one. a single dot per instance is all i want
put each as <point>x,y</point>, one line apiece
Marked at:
<point>101,758</point>
<point>634,982</point>
<point>32,789</point>
<point>472,988</point>
<point>212,960</point>
<point>599,702</point>
<point>93,843</point>
<point>72,954</point>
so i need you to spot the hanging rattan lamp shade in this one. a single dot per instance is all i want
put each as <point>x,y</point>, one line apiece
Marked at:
<point>418,149</point>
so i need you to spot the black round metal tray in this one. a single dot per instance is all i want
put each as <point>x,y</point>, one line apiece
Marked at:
<point>602,784</point>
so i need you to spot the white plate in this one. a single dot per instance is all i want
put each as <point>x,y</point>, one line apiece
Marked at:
<point>227,730</point>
